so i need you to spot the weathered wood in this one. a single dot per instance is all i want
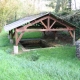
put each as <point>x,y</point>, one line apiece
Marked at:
<point>34,22</point>
<point>18,39</point>
<point>48,27</point>
<point>32,30</point>
<point>44,24</point>
<point>48,22</point>
<point>52,24</point>
<point>71,34</point>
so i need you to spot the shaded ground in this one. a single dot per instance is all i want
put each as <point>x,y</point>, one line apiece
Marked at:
<point>48,41</point>
<point>62,38</point>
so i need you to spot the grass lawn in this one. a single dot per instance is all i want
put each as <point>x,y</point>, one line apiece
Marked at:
<point>57,63</point>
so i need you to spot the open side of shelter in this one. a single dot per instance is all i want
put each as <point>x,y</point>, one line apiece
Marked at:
<point>41,22</point>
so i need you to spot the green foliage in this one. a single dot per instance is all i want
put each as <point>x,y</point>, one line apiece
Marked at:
<point>5,44</point>
<point>11,11</point>
<point>7,11</point>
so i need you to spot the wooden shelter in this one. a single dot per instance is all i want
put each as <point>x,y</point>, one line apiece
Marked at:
<point>44,22</point>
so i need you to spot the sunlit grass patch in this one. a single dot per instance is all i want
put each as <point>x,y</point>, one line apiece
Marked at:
<point>32,35</point>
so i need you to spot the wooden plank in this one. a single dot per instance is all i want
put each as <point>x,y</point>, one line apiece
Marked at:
<point>61,29</point>
<point>48,22</point>
<point>52,24</point>
<point>16,37</point>
<point>32,30</point>
<point>71,34</point>
<point>20,37</point>
<point>44,24</point>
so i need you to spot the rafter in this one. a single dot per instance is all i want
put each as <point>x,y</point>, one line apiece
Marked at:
<point>34,22</point>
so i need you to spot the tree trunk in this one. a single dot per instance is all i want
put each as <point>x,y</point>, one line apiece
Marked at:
<point>57,6</point>
<point>75,4</point>
<point>69,6</point>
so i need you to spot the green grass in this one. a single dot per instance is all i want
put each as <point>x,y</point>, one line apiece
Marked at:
<point>58,63</point>
<point>32,35</point>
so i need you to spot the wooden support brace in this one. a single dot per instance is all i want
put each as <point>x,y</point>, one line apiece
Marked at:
<point>71,34</point>
<point>18,39</point>
<point>52,24</point>
<point>44,24</point>
<point>34,22</point>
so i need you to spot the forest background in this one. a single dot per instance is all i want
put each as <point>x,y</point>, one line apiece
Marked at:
<point>12,10</point>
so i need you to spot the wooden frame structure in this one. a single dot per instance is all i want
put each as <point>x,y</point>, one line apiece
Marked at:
<point>48,21</point>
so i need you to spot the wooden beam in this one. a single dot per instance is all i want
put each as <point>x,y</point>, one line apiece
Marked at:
<point>44,24</point>
<point>32,30</point>
<point>36,21</point>
<point>48,22</point>
<point>61,23</point>
<point>18,39</point>
<point>71,34</point>
<point>52,24</point>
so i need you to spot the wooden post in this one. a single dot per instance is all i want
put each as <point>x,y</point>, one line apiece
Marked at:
<point>73,37</point>
<point>16,45</point>
<point>16,37</point>
<point>48,23</point>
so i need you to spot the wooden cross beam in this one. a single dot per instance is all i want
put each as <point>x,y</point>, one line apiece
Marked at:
<point>52,24</point>
<point>44,24</point>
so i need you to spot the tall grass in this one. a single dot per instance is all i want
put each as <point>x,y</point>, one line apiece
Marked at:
<point>56,63</point>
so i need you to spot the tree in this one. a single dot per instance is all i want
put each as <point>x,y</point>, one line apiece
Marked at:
<point>7,8</point>
<point>57,8</point>
<point>11,10</point>
<point>75,4</point>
